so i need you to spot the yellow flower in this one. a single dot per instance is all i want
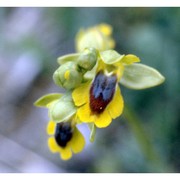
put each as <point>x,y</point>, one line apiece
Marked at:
<point>100,100</point>
<point>65,139</point>
<point>98,37</point>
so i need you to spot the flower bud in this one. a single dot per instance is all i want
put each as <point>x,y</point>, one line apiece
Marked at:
<point>87,59</point>
<point>98,37</point>
<point>67,76</point>
<point>63,109</point>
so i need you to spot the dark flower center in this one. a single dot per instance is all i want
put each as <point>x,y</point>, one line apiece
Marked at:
<point>102,91</point>
<point>63,133</point>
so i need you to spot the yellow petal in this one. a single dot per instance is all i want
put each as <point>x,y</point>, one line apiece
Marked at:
<point>116,106</point>
<point>119,70</point>
<point>81,94</point>
<point>77,142</point>
<point>53,145</point>
<point>103,119</point>
<point>51,127</point>
<point>66,153</point>
<point>84,114</point>
<point>130,59</point>
<point>105,29</point>
<point>100,66</point>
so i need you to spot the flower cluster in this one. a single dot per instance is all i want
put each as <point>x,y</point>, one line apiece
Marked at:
<point>91,78</point>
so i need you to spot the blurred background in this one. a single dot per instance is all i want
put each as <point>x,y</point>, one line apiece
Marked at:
<point>31,40</point>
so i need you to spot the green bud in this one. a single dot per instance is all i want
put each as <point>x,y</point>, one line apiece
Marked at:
<point>63,109</point>
<point>67,76</point>
<point>87,59</point>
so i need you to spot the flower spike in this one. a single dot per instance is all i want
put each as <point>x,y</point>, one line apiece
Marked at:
<point>91,77</point>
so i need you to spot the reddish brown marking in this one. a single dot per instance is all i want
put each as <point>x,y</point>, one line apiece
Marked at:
<point>101,92</point>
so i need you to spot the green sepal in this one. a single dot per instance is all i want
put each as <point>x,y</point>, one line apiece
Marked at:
<point>89,75</point>
<point>45,100</point>
<point>70,57</point>
<point>92,128</point>
<point>62,109</point>
<point>139,76</point>
<point>110,56</point>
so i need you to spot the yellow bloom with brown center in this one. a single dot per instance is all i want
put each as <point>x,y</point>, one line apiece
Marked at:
<point>100,100</point>
<point>65,139</point>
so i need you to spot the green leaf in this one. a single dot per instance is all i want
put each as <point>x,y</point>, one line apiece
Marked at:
<point>111,56</point>
<point>46,99</point>
<point>69,57</point>
<point>92,128</point>
<point>139,76</point>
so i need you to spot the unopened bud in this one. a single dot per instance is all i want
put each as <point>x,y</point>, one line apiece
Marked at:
<point>87,59</point>
<point>67,76</point>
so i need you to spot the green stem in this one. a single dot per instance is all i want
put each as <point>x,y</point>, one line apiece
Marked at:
<point>143,139</point>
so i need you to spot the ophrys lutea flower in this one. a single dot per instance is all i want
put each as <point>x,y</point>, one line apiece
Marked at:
<point>100,99</point>
<point>65,139</point>
<point>91,77</point>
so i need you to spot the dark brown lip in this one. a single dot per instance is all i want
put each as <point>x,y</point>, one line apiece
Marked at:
<point>102,91</point>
